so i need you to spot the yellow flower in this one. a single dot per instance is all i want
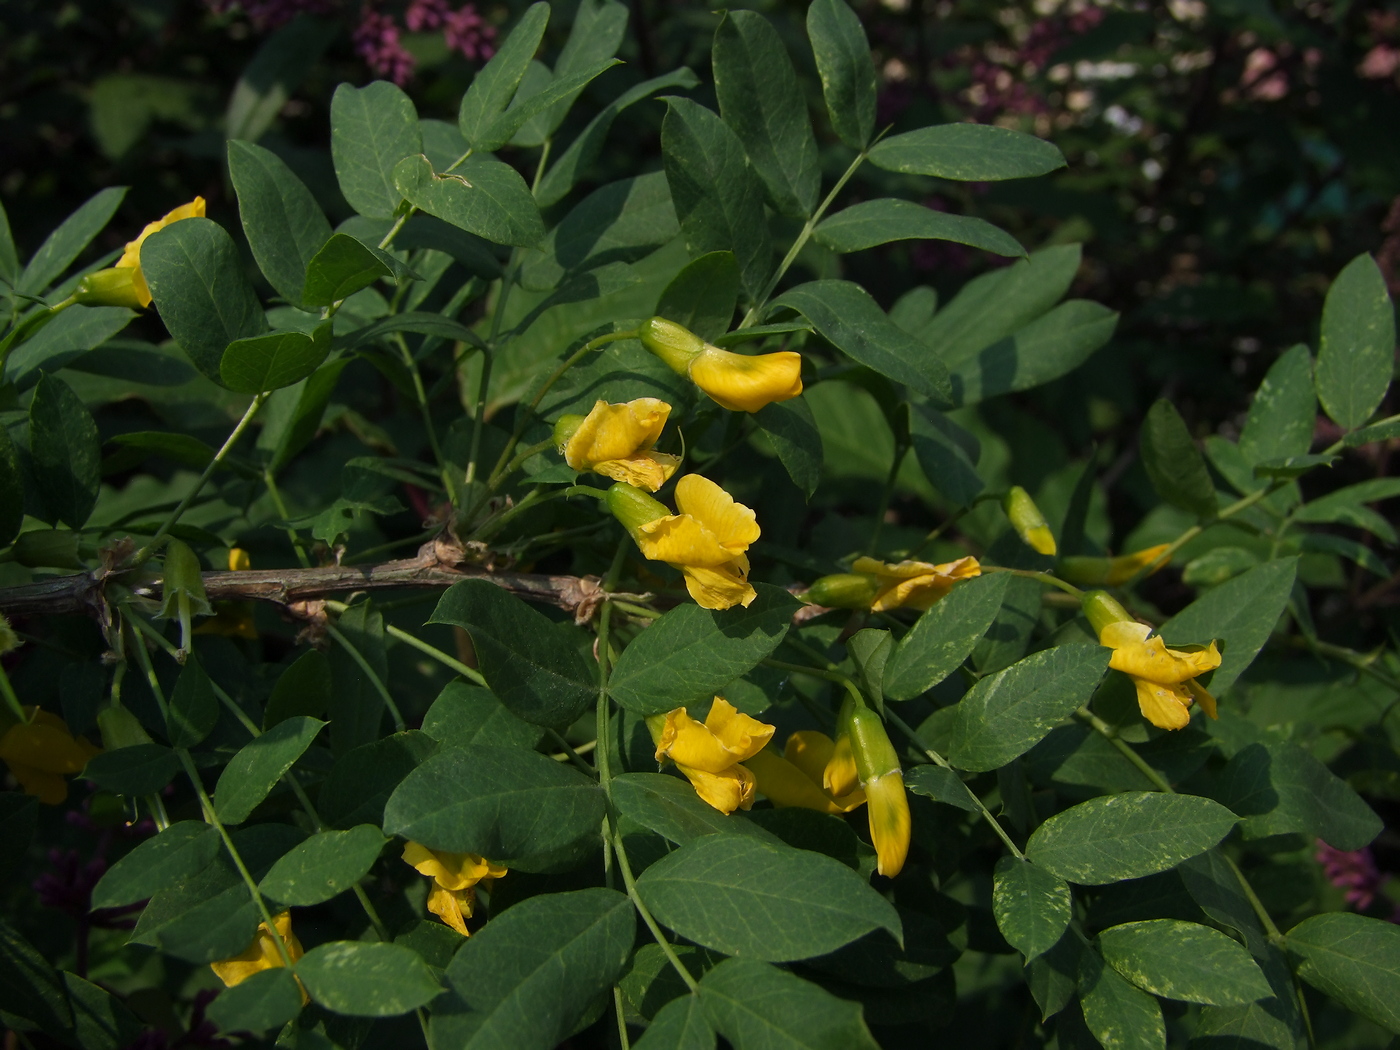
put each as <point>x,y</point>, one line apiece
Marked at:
<point>890,826</point>
<point>1111,572</point>
<point>262,954</point>
<point>706,541</point>
<point>41,751</point>
<point>131,258</point>
<point>710,753</point>
<point>616,441</point>
<point>1165,678</point>
<point>742,383</point>
<point>813,772</point>
<point>915,584</point>
<point>455,877</point>
<point>233,619</point>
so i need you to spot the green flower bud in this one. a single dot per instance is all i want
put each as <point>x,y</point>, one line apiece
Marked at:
<point>1026,519</point>
<point>843,590</point>
<point>674,344</point>
<point>1102,609</point>
<point>48,548</point>
<point>114,287</point>
<point>183,587</point>
<point>566,428</point>
<point>633,507</point>
<point>875,755</point>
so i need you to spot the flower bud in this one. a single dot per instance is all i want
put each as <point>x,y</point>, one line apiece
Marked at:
<point>48,548</point>
<point>566,428</point>
<point>1102,609</point>
<point>880,775</point>
<point>843,590</point>
<point>633,507</point>
<point>120,728</point>
<point>1026,519</point>
<point>183,587</point>
<point>9,641</point>
<point>114,287</point>
<point>673,343</point>
<point>1111,572</point>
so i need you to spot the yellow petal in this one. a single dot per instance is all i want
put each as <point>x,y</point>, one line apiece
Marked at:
<point>1165,706</point>
<point>616,432</point>
<point>1203,697</point>
<point>451,871</point>
<point>132,255</point>
<point>49,788</point>
<point>679,539</point>
<point>453,907</point>
<point>785,785</point>
<point>238,560</point>
<point>720,588</point>
<point>915,584</point>
<point>839,776</point>
<point>741,735</point>
<point>726,791</point>
<point>261,955</point>
<point>44,745</point>
<point>1124,567</point>
<point>889,821</point>
<point>730,522</point>
<point>1041,540</point>
<point>809,751</point>
<point>1149,658</point>
<point>745,384</point>
<point>646,470</point>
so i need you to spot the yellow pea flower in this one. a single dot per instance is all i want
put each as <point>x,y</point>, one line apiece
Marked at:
<point>262,954</point>
<point>1165,679</point>
<point>41,751</point>
<point>709,753</point>
<point>616,441</point>
<point>125,284</point>
<point>706,540</point>
<point>455,877</point>
<point>1110,572</point>
<point>914,584</point>
<point>813,772</point>
<point>882,780</point>
<point>233,619</point>
<point>739,382</point>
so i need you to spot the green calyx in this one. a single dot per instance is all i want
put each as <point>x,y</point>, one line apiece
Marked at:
<point>673,343</point>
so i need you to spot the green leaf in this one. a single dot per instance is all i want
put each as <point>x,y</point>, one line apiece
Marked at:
<point>30,987</point>
<point>1032,906</point>
<point>326,864</point>
<point>363,778</point>
<point>1184,960</point>
<point>1045,349</point>
<point>417,323</point>
<point>265,1000</point>
<point>1127,836</point>
<point>1006,714</point>
<point>372,129</point>
<point>741,896</point>
<point>67,451</point>
<point>272,361</point>
<point>691,654</point>
<point>563,87</point>
<point>869,650</point>
<point>1173,462</point>
<point>1346,506</point>
<point>702,297</point>
<point>253,772</point>
<point>482,196</point>
<point>948,455</point>
<point>494,86</point>
<point>199,286</point>
<point>178,852</point>
<point>361,979</point>
<point>1250,1027</point>
<point>101,1021</point>
<point>521,653</point>
<point>1006,640</point>
<point>1278,788</point>
<point>583,151</point>
<point>760,1007</point>
<point>142,769</point>
<point>342,267</point>
<point>1241,613</point>
<point>1292,466</point>
<point>944,636</point>
<point>941,785</point>
<point>504,803</point>
<point>1283,412</point>
<point>531,973</point>
<point>847,72</point>
<point>1357,356</point>
<point>284,224</point>
<point>1383,431</point>
<point>670,807</point>
<point>74,234</point>
<point>887,219</point>
<point>304,688</point>
<point>679,1025</point>
<point>598,31</point>
<point>759,98</point>
<point>718,198</point>
<point>1353,959</point>
<point>11,490</point>
<point>967,153</point>
<point>1054,976</point>
<point>1120,1016</point>
<point>278,68</point>
<point>466,714</point>
<point>63,341</point>
<point>194,709</point>
<point>847,317</point>
<point>792,429</point>
<point>9,255</point>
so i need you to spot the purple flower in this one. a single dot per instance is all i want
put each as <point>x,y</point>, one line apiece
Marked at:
<point>269,14</point>
<point>469,34</point>
<point>377,42</point>
<point>1355,872</point>
<point>426,14</point>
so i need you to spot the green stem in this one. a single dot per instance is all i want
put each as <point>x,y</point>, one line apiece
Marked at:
<point>1244,503</point>
<point>11,698</point>
<point>1043,577</point>
<point>144,554</point>
<point>273,491</point>
<point>568,750</point>
<point>621,1019</point>
<point>421,396</point>
<point>452,663</point>
<point>375,680</point>
<point>399,222</point>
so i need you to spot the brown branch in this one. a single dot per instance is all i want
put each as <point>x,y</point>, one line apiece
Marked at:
<point>434,566</point>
